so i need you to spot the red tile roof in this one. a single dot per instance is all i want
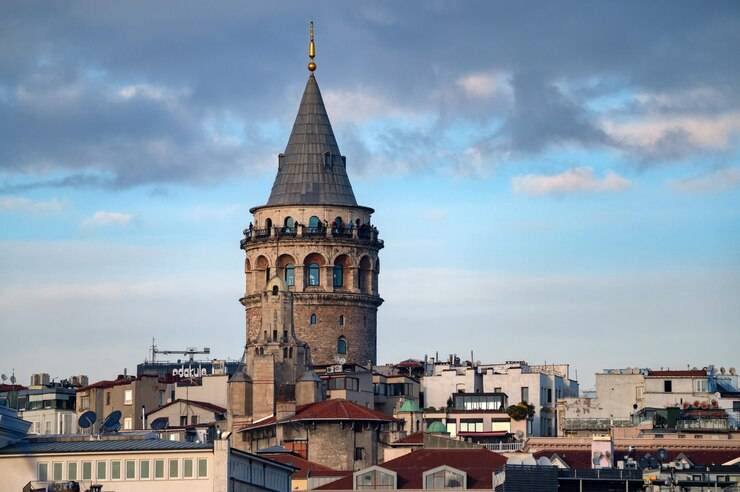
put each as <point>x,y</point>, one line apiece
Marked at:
<point>305,467</point>
<point>479,465</point>
<point>677,374</point>
<point>415,438</point>
<point>11,387</point>
<point>338,410</point>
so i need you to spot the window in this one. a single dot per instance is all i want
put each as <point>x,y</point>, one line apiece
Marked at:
<point>701,385</point>
<point>107,397</point>
<point>359,454</point>
<point>128,423</point>
<point>84,402</point>
<point>341,320</point>
<point>144,470</point>
<point>187,468</point>
<point>444,477</point>
<point>128,397</point>
<point>497,389</point>
<point>72,471</point>
<point>56,471</point>
<point>183,420</point>
<point>341,345</point>
<point>159,469</point>
<point>471,425</point>
<point>338,276</point>
<point>193,420</point>
<point>130,469</point>
<point>48,427</point>
<point>525,394</point>
<point>115,470</point>
<point>87,470</point>
<point>549,395</point>
<point>174,469</point>
<point>100,470</point>
<point>202,468</point>
<point>42,472</point>
<point>736,406</point>
<point>161,398</point>
<point>314,224</point>
<point>290,275</point>
<point>375,478</point>
<point>289,225</point>
<point>313,273</point>
<point>312,320</point>
<point>667,386</point>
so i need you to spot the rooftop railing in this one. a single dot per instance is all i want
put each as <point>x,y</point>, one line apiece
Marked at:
<point>365,233</point>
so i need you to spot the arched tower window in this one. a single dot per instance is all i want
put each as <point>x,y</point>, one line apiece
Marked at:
<point>275,290</point>
<point>365,277</point>
<point>314,224</point>
<point>313,271</point>
<point>341,346</point>
<point>268,225</point>
<point>312,319</point>
<point>290,275</point>
<point>338,276</point>
<point>289,225</point>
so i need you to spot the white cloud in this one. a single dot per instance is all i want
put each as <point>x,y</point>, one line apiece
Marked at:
<point>104,218</point>
<point>722,179</point>
<point>27,205</point>
<point>483,85</point>
<point>573,180</point>
<point>708,132</point>
<point>361,105</point>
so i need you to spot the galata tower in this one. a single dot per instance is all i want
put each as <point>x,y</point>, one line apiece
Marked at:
<point>322,246</point>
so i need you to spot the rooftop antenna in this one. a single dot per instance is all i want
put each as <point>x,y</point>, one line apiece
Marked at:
<point>311,49</point>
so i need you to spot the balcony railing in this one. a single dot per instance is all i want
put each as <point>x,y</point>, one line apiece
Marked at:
<point>503,447</point>
<point>363,233</point>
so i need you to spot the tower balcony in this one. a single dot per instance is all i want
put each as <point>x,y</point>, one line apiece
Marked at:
<point>364,234</point>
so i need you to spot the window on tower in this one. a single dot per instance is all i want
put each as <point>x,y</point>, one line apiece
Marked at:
<point>290,275</point>
<point>341,346</point>
<point>338,276</point>
<point>313,271</point>
<point>341,320</point>
<point>314,224</point>
<point>312,319</point>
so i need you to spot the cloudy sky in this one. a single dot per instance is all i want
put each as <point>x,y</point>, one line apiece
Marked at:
<point>554,181</point>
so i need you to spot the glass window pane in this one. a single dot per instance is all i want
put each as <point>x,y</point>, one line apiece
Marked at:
<point>130,469</point>
<point>87,470</point>
<point>174,471</point>
<point>43,472</point>
<point>115,470</point>
<point>202,468</point>
<point>101,470</point>
<point>56,471</point>
<point>159,469</point>
<point>187,468</point>
<point>290,275</point>
<point>144,469</point>
<point>71,471</point>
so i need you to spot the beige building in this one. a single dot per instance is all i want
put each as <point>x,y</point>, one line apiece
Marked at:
<point>133,397</point>
<point>138,465</point>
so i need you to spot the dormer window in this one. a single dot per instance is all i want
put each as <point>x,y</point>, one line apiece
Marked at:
<point>374,477</point>
<point>445,477</point>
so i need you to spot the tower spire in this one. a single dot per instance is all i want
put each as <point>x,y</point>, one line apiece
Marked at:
<point>311,48</point>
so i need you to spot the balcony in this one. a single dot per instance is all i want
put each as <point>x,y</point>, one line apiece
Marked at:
<point>364,234</point>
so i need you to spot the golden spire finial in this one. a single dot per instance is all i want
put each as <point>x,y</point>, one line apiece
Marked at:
<point>311,49</point>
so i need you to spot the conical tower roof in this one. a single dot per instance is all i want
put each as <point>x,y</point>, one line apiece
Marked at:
<point>312,171</point>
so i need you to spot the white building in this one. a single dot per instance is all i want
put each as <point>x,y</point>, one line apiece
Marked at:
<point>445,379</point>
<point>538,385</point>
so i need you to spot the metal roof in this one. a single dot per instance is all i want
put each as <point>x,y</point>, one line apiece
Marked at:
<point>312,171</point>
<point>100,446</point>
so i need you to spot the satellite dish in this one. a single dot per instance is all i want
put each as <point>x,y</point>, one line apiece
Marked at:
<point>87,419</point>
<point>160,423</point>
<point>12,379</point>
<point>112,422</point>
<point>4,378</point>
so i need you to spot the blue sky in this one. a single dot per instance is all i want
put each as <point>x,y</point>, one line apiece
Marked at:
<point>553,183</point>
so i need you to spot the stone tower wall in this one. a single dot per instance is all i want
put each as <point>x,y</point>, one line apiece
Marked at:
<point>356,300</point>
